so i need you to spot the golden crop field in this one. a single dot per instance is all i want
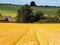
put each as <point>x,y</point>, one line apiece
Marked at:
<point>29,34</point>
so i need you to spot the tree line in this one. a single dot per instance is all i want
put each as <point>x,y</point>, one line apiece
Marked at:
<point>26,15</point>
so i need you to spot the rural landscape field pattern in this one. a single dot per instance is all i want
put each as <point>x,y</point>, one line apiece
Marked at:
<point>29,34</point>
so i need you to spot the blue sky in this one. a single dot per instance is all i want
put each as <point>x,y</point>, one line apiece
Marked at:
<point>38,2</point>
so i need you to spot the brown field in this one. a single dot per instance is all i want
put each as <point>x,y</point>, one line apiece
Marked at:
<point>29,34</point>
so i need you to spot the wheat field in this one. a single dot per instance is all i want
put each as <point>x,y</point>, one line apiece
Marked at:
<point>29,34</point>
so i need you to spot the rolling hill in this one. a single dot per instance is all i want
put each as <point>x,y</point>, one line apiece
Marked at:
<point>11,10</point>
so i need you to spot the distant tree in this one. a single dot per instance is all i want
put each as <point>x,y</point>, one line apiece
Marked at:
<point>18,15</point>
<point>32,19</point>
<point>24,14</point>
<point>55,19</point>
<point>32,3</point>
<point>58,12</point>
<point>0,16</point>
<point>35,18</point>
<point>40,14</point>
<point>52,19</point>
<point>47,6</point>
<point>9,4</point>
<point>41,6</point>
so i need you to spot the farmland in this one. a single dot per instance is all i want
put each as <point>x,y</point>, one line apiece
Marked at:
<point>11,10</point>
<point>29,34</point>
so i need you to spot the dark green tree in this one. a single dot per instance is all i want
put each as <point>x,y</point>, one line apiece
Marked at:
<point>32,3</point>
<point>0,16</point>
<point>24,14</point>
<point>40,15</point>
<point>18,17</point>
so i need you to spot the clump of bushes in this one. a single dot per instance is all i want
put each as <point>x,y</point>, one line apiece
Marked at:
<point>51,19</point>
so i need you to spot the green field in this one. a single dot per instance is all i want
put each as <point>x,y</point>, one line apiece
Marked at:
<point>11,10</point>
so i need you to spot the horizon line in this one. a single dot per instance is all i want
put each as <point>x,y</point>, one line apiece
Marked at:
<point>28,4</point>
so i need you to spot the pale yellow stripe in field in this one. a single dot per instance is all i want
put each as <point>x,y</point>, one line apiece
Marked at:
<point>29,34</point>
<point>48,34</point>
<point>29,38</point>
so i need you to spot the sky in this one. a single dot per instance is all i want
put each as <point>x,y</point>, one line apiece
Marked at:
<point>38,2</point>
